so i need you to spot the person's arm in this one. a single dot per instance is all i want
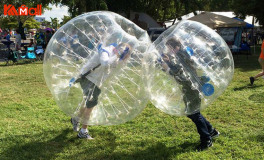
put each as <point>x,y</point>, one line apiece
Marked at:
<point>163,64</point>
<point>105,59</point>
<point>91,64</point>
<point>169,66</point>
<point>86,68</point>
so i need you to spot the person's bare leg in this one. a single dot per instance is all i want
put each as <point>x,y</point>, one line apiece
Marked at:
<point>86,116</point>
<point>259,75</point>
<point>79,112</point>
<point>261,61</point>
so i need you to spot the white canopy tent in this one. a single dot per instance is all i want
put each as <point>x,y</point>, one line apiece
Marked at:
<point>227,14</point>
<point>248,19</point>
<point>215,21</point>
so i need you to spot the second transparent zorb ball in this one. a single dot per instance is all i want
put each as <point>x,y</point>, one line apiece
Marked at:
<point>92,66</point>
<point>187,68</point>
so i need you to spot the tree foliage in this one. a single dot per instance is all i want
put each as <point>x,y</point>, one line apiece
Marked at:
<point>252,7</point>
<point>77,7</point>
<point>12,23</point>
<point>8,22</point>
<point>31,23</point>
<point>22,19</point>
<point>216,5</point>
<point>54,22</point>
<point>46,24</point>
<point>65,19</point>
<point>162,10</point>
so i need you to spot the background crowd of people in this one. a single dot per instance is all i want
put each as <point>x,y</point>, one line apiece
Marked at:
<point>40,37</point>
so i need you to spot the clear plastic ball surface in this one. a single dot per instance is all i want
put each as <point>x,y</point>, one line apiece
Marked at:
<point>187,68</point>
<point>92,66</point>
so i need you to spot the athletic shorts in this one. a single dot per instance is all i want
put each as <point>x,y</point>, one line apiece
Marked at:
<point>91,91</point>
<point>261,62</point>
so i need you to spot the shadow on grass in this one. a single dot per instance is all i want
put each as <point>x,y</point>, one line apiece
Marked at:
<point>188,146</point>
<point>257,97</point>
<point>65,146</point>
<point>41,149</point>
<point>155,150</point>
<point>257,138</point>
<point>20,62</point>
<point>38,149</point>
<point>247,87</point>
<point>62,145</point>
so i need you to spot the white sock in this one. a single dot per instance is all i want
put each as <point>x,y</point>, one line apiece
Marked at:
<point>84,130</point>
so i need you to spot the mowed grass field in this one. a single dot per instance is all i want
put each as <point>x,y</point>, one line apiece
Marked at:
<point>33,127</point>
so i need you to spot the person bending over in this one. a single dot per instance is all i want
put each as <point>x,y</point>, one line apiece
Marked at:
<point>183,72</point>
<point>92,75</point>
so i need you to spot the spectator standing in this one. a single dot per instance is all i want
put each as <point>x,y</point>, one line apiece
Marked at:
<point>48,36</point>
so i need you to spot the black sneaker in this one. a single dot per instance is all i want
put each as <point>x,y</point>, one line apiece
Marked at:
<point>204,145</point>
<point>252,79</point>
<point>214,133</point>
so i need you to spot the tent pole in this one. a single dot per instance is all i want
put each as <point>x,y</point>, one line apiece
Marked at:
<point>253,34</point>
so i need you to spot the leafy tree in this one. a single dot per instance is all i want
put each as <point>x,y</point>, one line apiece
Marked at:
<point>125,6</point>
<point>253,7</point>
<point>162,10</point>
<point>8,22</point>
<point>183,7</point>
<point>77,7</point>
<point>65,19</point>
<point>216,5</point>
<point>31,23</point>
<point>22,19</point>
<point>54,22</point>
<point>47,24</point>
<point>11,23</point>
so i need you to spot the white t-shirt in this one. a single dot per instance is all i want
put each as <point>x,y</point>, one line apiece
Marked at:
<point>106,59</point>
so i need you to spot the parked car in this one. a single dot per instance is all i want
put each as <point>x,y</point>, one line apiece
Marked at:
<point>155,32</point>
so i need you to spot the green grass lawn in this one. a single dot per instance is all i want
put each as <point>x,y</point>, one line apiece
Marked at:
<point>33,127</point>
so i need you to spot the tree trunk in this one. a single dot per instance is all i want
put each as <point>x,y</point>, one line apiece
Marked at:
<point>21,30</point>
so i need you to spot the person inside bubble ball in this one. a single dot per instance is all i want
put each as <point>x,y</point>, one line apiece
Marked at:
<point>92,75</point>
<point>183,72</point>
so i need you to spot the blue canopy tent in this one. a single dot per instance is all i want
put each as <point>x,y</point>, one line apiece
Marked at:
<point>244,46</point>
<point>229,29</point>
<point>247,24</point>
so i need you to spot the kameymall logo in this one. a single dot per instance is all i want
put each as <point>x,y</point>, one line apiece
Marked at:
<point>22,11</point>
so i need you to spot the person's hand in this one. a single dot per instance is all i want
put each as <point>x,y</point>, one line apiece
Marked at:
<point>159,60</point>
<point>72,81</point>
<point>165,58</point>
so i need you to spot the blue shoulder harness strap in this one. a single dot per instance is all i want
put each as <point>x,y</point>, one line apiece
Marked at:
<point>100,49</point>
